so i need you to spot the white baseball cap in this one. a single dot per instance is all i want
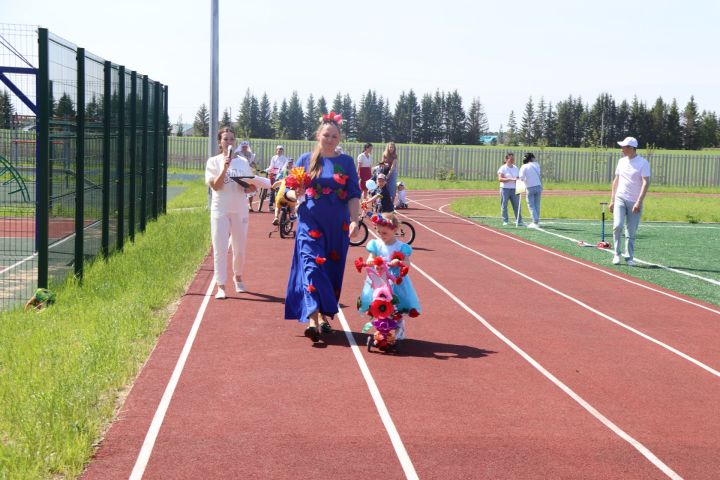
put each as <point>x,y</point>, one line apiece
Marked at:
<point>629,142</point>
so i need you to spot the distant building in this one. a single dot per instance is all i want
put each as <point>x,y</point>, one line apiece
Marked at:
<point>489,139</point>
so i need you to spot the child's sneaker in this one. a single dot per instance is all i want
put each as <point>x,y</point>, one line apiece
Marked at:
<point>220,295</point>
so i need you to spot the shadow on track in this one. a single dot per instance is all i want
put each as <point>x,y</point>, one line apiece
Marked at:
<point>409,347</point>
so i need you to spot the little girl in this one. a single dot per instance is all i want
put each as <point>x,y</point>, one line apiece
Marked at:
<point>393,252</point>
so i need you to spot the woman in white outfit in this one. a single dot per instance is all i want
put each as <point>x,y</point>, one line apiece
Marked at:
<point>531,174</point>
<point>228,210</point>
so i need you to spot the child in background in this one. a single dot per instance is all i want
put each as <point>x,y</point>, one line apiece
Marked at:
<point>401,196</point>
<point>381,195</point>
<point>392,251</point>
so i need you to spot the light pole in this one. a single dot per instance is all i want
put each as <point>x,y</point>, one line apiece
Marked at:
<point>214,82</point>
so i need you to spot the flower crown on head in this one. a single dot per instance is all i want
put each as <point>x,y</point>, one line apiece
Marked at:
<point>332,117</point>
<point>382,221</point>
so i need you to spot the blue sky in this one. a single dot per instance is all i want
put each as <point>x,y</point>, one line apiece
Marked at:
<point>499,52</point>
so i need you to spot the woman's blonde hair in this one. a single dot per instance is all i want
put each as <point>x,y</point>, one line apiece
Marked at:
<point>219,137</point>
<point>315,166</point>
<point>390,156</point>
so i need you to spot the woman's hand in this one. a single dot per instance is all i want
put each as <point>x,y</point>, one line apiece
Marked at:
<point>354,230</point>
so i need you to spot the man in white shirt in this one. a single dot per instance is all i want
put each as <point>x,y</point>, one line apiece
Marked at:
<point>507,175</point>
<point>277,163</point>
<point>631,183</point>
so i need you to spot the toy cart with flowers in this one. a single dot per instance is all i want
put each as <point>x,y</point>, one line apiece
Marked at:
<point>386,323</point>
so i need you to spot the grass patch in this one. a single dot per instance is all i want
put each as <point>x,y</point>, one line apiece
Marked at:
<point>62,369</point>
<point>686,245</point>
<point>660,208</point>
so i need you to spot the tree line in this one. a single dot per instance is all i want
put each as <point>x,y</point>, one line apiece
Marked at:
<point>442,118</point>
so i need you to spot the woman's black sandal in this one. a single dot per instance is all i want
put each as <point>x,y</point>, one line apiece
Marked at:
<point>325,327</point>
<point>312,333</point>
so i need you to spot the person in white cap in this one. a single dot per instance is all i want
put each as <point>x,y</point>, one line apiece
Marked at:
<point>631,183</point>
<point>277,164</point>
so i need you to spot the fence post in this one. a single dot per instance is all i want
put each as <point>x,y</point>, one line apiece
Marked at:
<point>121,158</point>
<point>107,115</point>
<point>80,165</point>
<point>156,150</point>
<point>133,155</point>
<point>143,154</point>
<point>165,148</point>
<point>42,212</point>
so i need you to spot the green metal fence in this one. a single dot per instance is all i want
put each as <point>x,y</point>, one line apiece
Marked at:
<point>89,143</point>
<point>481,163</point>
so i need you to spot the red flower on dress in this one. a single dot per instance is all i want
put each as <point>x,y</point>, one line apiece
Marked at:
<point>315,234</point>
<point>326,190</point>
<point>381,308</point>
<point>310,192</point>
<point>341,193</point>
<point>311,288</point>
<point>398,256</point>
<point>334,256</point>
<point>359,263</point>
<point>320,260</point>
<point>340,178</point>
<point>345,227</point>
<point>413,313</point>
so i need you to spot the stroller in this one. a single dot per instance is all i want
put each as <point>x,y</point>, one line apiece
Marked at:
<point>387,321</point>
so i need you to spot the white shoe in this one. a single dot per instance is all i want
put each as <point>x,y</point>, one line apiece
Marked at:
<point>616,260</point>
<point>220,295</point>
<point>630,262</point>
<point>239,287</point>
<point>504,224</point>
<point>533,225</point>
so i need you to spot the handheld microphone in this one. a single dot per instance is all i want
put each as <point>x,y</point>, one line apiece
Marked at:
<point>229,150</point>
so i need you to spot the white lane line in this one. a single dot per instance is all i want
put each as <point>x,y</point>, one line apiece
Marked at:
<point>570,259</point>
<point>580,303</point>
<point>387,421</point>
<point>147,447</point>
<point>638,260</point>
<point>577,398</point>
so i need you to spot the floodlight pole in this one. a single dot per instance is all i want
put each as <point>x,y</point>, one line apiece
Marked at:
<point>214,82</point>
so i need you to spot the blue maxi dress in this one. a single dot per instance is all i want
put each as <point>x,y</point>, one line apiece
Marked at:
<point>321,239</point>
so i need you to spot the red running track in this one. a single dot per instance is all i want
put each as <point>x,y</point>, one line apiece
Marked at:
<point>524,364</point>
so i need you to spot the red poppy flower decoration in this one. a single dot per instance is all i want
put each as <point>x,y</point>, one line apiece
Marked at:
<point>381,308</point>
<point>291,182</point>
<point>342,194</point>
<point>397,256</point>
<point>359,264</point>
<point>315,234</point>
<point>404,270</point>
<point>311,288</point>
<point>398,280</point>
<point>340,178</point>
<point>378,261</point>
<point>332,117</point>
<point>320,260</point>
<point>413,313</point>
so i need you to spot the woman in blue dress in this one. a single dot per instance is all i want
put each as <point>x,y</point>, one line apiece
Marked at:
<point>327,216</point>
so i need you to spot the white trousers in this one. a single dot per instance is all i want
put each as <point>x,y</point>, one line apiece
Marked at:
<point>226,228</point>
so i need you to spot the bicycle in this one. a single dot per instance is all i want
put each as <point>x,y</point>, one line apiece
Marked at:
<point>286,225</point>
<point>405,231</point>
<point>262,194</point>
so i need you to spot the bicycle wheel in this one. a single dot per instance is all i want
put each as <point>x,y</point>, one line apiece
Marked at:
<point>286,225</point>
<point>405,232</point>
<point>263,194</point>
<point>361,236</point>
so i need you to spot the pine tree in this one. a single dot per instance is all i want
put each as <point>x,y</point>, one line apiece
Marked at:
<point>65,108</point>
<point>349,113</point>
<point>527,127</point>
<point>427,115</point>
<point>708,129</point>
<point>283,128</point>
<point>540,122</point>
<point>402,118</point>
<point>388,125</point>
<point>201,125</point>
<point>690,118</point>
<point>439,132</point>
<point>266,129</point>
<point>322,106</point>
<point>551,126</point>
<point>657,131</point>
<point>311,118</point>
<point>226,121</point>
<point>368,122</point>
<point>674,129</point>
<point>456,130</point>
<point>295,118</point>
<point>179,127</point>
<point>512,132</point>
<point>477,124</point>
<point>7,111</point>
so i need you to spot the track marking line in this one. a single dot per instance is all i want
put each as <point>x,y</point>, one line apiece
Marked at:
<point>387,421</point>
<point>580,303</point>
<point>638,260</point>
<point>577,398</point>
<point>147,446</point>
<point>570,259</point>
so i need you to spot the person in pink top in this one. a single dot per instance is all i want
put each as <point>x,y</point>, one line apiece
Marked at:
<point>631,183</point>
